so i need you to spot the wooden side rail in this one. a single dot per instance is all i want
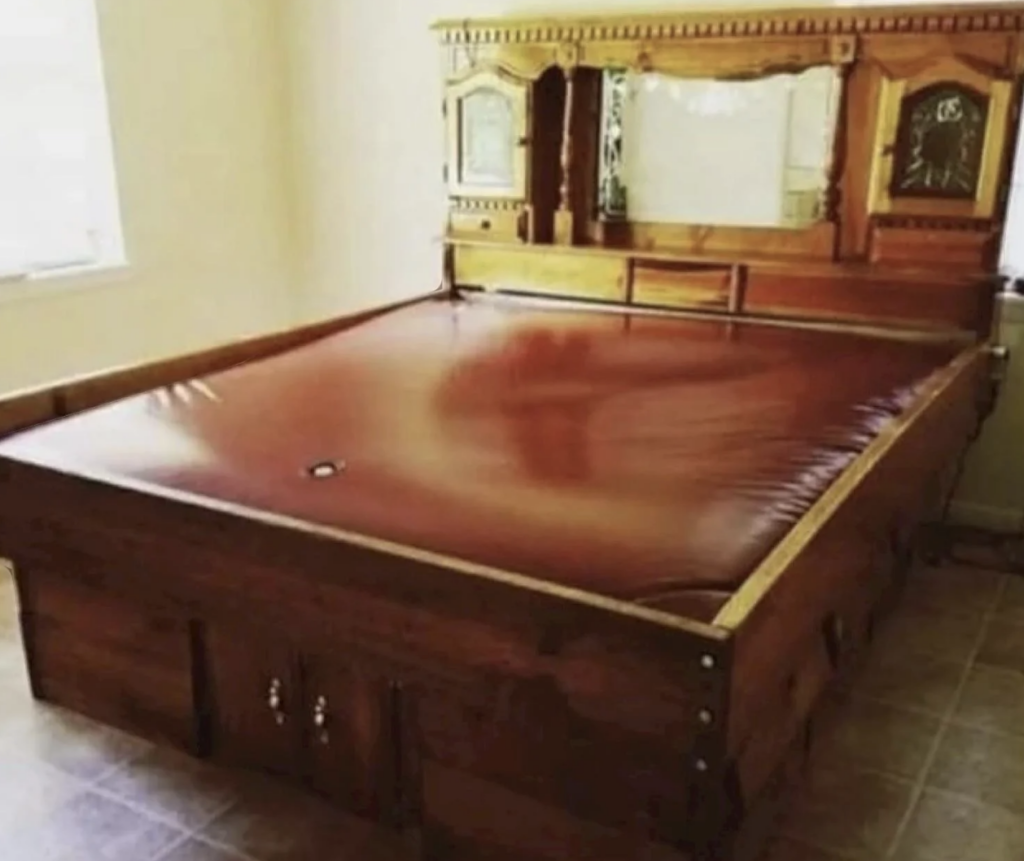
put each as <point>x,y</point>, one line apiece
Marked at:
<point>21,410</point>
<point>813,597</point>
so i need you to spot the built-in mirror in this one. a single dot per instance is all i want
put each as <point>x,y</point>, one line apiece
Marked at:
<point>488,139</point>
<point>750,153</point>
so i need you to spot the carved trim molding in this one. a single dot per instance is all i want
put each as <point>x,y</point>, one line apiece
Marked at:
<point>908,222</point>
<point>963,18</point>
<point>483,204</point>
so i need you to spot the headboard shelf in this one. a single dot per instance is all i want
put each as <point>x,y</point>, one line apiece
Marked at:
<point>906,297</point>
<point>857,270</point>
<point>612,157</point>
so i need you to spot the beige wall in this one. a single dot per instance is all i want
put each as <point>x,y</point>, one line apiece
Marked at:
<point>198,102</point>
<point>367,154</point>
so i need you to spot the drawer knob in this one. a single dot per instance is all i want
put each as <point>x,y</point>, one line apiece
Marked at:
<point>275,701</point>
<point>321,718</point>
<point>485,224</point>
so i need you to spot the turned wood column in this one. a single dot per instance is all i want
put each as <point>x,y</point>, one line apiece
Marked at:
<point>564,216</point>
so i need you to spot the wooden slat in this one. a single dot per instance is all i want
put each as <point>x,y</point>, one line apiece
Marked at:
<point>23,409</point>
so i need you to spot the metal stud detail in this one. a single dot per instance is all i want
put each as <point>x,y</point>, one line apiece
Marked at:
<point>325,469</point>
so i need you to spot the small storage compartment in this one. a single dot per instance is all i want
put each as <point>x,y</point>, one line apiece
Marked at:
<point>675,287</point>
<point>325,721</point>
<point>497,224</point>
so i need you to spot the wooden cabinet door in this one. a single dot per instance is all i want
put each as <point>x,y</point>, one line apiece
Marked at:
<point>351,743</point>
<point>488,117</point>
<point>255,699</point>
<point>942,138</point>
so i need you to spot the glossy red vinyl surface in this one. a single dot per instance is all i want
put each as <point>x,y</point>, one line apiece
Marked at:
<point>652,459</point>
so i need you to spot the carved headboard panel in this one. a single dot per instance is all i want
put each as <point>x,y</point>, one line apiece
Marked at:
<point>848,163</point>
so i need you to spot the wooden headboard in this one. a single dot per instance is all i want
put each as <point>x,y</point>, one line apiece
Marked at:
<point>904,230</point>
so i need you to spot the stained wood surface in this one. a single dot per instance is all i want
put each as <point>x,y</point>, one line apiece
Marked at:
<point>353,753</point>
<point>108,657</point>
<point>246,666</point>
<point>826,566</point>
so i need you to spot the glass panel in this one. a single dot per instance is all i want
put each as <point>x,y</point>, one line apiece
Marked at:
<point>752,153</point>
<point>487,124</point>
<point>940,142</point>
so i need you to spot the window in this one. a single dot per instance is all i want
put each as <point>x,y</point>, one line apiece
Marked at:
<point>58,192</point>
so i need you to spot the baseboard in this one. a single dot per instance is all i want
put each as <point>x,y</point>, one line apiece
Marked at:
<point>988,517</point>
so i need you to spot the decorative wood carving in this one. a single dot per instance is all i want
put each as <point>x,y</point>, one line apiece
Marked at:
<point>940,142</point>
<point>727,23</point>
<point>577,75</point>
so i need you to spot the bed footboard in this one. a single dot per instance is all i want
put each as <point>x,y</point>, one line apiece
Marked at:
<point>478,710</point>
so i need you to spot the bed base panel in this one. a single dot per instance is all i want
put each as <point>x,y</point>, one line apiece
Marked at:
<point>528,690</point>
<point>588,717</point>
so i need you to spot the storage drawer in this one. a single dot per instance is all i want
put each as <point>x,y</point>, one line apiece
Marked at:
<point>550,271</point>
<point>682,288</point>
<point>496,224</point>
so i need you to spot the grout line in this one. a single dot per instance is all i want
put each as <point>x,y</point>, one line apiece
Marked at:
<point>947,721</point>
<point>158,816</point>
<point>173,846</point>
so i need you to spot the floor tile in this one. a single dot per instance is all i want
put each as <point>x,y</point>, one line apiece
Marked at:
<point>850,813</point>
<point>911,681</point>
<point>878,737</point>
<point>938,636</point>
<point>787,849</point>
<point>950,828</point>
<point>198,850</point>
<point>173,787</point>
<point>986,766</point>
<point>76,745</point>
<point>1010,607</point>
<point>30,788</point>
<point>90,827</point>
<point>957,590</point>
<point>993,699</point>
<point>1003,645</point>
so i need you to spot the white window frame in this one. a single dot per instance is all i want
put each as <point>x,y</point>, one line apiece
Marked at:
<point>108,236</point>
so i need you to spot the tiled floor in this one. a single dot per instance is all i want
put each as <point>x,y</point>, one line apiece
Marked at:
<point>921,758</point>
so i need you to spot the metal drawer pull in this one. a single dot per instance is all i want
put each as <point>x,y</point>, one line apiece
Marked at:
<point>275,700</point>
<point>321,719</point>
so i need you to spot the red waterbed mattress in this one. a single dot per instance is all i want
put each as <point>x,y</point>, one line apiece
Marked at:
<point>647,458</point>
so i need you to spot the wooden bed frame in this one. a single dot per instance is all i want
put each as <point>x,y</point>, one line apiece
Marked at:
<point>484,713</point>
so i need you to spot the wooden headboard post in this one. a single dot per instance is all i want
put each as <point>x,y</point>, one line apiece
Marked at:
<point>894,244</point>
